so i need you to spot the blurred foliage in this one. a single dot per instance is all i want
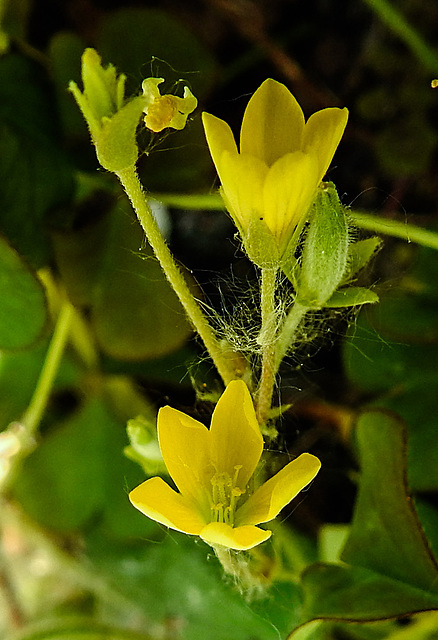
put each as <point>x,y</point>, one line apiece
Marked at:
<point>76,560</point>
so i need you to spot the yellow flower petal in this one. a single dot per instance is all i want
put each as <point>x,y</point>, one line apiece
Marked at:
<point>289,190</point>
<point>273,123</point>
<point>219,138</point>
<point>322,134</point>
<point>160,502</point>
<point>184,447</point>
<point>184,106</point>
<point>236,443</point>
<point>242,179</point>
<point>150,90</point>
<point>238,538</point>
<point>269,499</point>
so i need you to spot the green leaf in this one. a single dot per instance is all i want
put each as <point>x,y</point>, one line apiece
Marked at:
<point>355,594</point>
<point>182,579</point>
<point>135,314</point>
<point>375,364</point>
<point>386,535</point>
<point>78,471</point>
<point>35,173</point>
<point>23,309</point>
<point>351,297</point>
<point>407,376</point>
<point>77,628</point>
<point>416,402</point>
<point>390,568</point>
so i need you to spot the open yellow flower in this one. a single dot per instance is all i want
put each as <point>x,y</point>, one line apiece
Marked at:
<point>168,110</point>
<point>269,186</point>
<point>213,471</point>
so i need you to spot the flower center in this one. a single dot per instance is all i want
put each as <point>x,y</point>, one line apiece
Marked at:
<point>160,113</point>
<point>224,496</point>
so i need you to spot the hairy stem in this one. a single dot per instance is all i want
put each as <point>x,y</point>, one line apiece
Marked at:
<point>131,184</point>
<point>266,339</point>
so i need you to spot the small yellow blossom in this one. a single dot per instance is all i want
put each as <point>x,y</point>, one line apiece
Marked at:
<point>270,184</point>
<point>168,110</point>
<point>213,471</point>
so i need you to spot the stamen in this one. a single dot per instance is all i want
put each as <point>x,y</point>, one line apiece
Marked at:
<point>224,497</point>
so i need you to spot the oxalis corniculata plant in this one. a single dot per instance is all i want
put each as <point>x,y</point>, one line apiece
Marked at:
<point>292,225</point>
<point>224,481</point>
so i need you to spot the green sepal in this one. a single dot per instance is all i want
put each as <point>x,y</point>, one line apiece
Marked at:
<point>103,90</point>
<point>325,251</point>
<point>352,297</point>
<point>260,245</point>
<point>116,146</point>
<point>112,123</point>
<point>359,255</point>
<point>103,93</point>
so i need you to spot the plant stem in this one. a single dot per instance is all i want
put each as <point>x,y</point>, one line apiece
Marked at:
<point>134,190</point>
<point>401,27</point>
<point>397,229</point>
<point>266,339</point>
<point>288,332</point>
<point>20,435</point>
<point>38,403</point>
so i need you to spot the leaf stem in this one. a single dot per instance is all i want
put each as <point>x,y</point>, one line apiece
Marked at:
<point>134,190</point>
<point>396,228</point>
<point>18,438</point>
<point>38,403</point>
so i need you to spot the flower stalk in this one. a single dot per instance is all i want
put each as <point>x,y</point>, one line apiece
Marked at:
<point>134,190</point>
<point>267,339</point>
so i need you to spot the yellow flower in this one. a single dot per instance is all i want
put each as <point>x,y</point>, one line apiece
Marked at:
<point>213,471</point>
<point>168,110</point>
<point>269,186</point>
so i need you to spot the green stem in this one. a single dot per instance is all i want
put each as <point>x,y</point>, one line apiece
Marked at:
<point>288,332</point>
<point>395,228</point>
<point>401,27</point>
<point>22,433</point>
<point>266,339</point>
<point>131,184</point>
<point>38,403</point>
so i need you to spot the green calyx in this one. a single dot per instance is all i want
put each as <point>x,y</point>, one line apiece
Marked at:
<point>112,121</point>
